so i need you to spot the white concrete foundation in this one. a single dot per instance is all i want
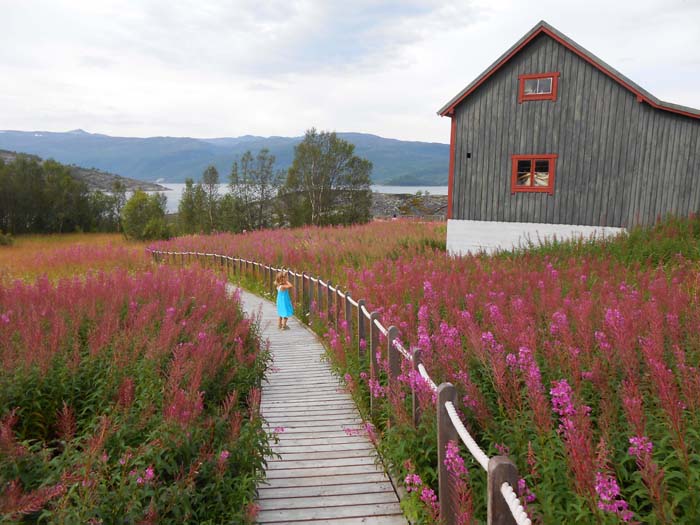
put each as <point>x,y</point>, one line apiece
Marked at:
<point>486,236</point>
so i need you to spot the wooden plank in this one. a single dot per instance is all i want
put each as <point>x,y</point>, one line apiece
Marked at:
<point>286,463</point>
<point>346,446</point>
<point>352,511</point>
<point>323,490</point>
<point>328,454</point>
<point>358,498</point>
<point>294,473</point>
<point>319,480</point>
<point>369,520</point>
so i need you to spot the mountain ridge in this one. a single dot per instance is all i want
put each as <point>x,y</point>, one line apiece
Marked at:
<point>173,159</point>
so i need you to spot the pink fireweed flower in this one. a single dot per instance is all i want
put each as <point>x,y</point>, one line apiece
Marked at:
<point>279,430</point>
<point>641,446</point>
<point>371,431</point>
<point>503,450</point>
<point>454,462</point>
<point>524,491</point>
<point>429,497</point>
<point>376,389</point>
<point>412,482</point>
<point>609,499</point>
<point>149,473</point>
<point>363,376</point>
<point>352,431</point>
<point>561,399</point>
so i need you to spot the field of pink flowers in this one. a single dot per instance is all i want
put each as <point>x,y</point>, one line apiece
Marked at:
<point>580,364</point>
<point>130,398</point>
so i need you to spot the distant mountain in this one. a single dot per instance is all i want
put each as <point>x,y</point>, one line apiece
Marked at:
<point>94,179</point>
<point>173,159</point>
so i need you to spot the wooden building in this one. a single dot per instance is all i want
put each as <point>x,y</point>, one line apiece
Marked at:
<point>550,134</point>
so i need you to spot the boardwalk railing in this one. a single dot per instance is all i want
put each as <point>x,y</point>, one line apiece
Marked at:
<point>312,293</point>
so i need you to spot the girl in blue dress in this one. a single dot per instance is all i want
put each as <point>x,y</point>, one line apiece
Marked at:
<point>284,302</point>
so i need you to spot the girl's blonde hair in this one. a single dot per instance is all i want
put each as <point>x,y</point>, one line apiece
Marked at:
<point>281,277</point>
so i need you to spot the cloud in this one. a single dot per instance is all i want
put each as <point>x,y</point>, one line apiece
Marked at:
<point>226,68</point>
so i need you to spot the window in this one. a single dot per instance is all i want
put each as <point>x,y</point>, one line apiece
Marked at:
<point>533,173</point>
<point>542,86</point>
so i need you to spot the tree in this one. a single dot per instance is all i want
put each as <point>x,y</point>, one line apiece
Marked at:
<point>143,216</point>
<point>253,184</point>
<point>327,183</point>
<point>119,199</point>
<point>210,185</point>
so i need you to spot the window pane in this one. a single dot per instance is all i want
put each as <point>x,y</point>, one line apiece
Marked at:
<point>524,169</point>
<point>544,85</point>
<point>541,177</point>
<point>531,87</point>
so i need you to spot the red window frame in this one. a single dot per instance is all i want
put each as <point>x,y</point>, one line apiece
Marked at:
<point>549,188</point>
<point>522,97</point>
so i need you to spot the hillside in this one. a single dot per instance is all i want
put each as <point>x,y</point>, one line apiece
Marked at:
<point>94,178</point>
<point>172,159</point>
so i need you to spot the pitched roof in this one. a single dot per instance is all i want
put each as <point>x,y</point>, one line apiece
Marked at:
<point>543,27</point>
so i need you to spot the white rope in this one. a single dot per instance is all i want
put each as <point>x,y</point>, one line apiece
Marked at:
<point>380,327</point>
<point>354,303</point>
<point>332,289</point>
<point>341,294</point>
<point>424,374</point>
<point>366,312</point>
<point>313,280</point>
<point>479,455</point>
<point>516,508</point>
<point>402,350</point>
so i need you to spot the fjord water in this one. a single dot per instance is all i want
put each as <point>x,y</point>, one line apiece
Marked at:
<point>174,193</point>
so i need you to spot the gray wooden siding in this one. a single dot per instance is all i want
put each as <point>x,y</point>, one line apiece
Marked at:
<point>620,162</point>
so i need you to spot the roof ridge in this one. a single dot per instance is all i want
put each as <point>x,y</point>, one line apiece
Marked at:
<point>543,27</point>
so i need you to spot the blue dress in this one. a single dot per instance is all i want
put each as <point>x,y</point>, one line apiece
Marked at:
<point>284,303</point>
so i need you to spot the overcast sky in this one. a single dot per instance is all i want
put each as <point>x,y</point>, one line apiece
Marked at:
<point>205,68</point>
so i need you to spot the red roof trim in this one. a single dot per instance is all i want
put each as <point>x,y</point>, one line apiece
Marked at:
<point>640,96</point>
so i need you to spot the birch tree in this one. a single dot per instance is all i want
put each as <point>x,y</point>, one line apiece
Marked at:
<point>327,183</point>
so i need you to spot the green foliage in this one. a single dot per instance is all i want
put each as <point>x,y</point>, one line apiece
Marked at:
<point>143,217</point>
<point>5,239</point>
<point>659,244</point>
<point>44,197</point>
<point>327,183</point>
<point>253,183</point>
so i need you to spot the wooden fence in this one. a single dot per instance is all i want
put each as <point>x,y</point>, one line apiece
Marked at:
<point>503,506</point>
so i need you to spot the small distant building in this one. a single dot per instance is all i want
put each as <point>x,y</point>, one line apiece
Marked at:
<point>552,140</point>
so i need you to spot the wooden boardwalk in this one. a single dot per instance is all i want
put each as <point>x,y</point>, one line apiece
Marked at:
<point>327,472</point>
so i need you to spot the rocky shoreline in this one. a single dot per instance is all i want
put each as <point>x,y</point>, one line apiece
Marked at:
<point>388,205</point>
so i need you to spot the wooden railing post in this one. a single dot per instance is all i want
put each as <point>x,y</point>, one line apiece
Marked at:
<point>348,312</point>
<point>446,433</point>
<point>393,353</point>
<point>336,303</point>
<point>373,349</point>
<point>361,329</point>
<point>329,301</point>
<point>304,292</point>
<point>319,295</point>
<point>271,281</point>
<point>501,469</point>
<point>416,402</point>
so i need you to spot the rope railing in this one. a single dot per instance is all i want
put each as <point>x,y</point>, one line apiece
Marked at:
<point>514,505</point>
<point>503,503</point>
<point>474,449</point>
<point>380,327</point>
<point>424,374</point>
<point>397,344</point>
